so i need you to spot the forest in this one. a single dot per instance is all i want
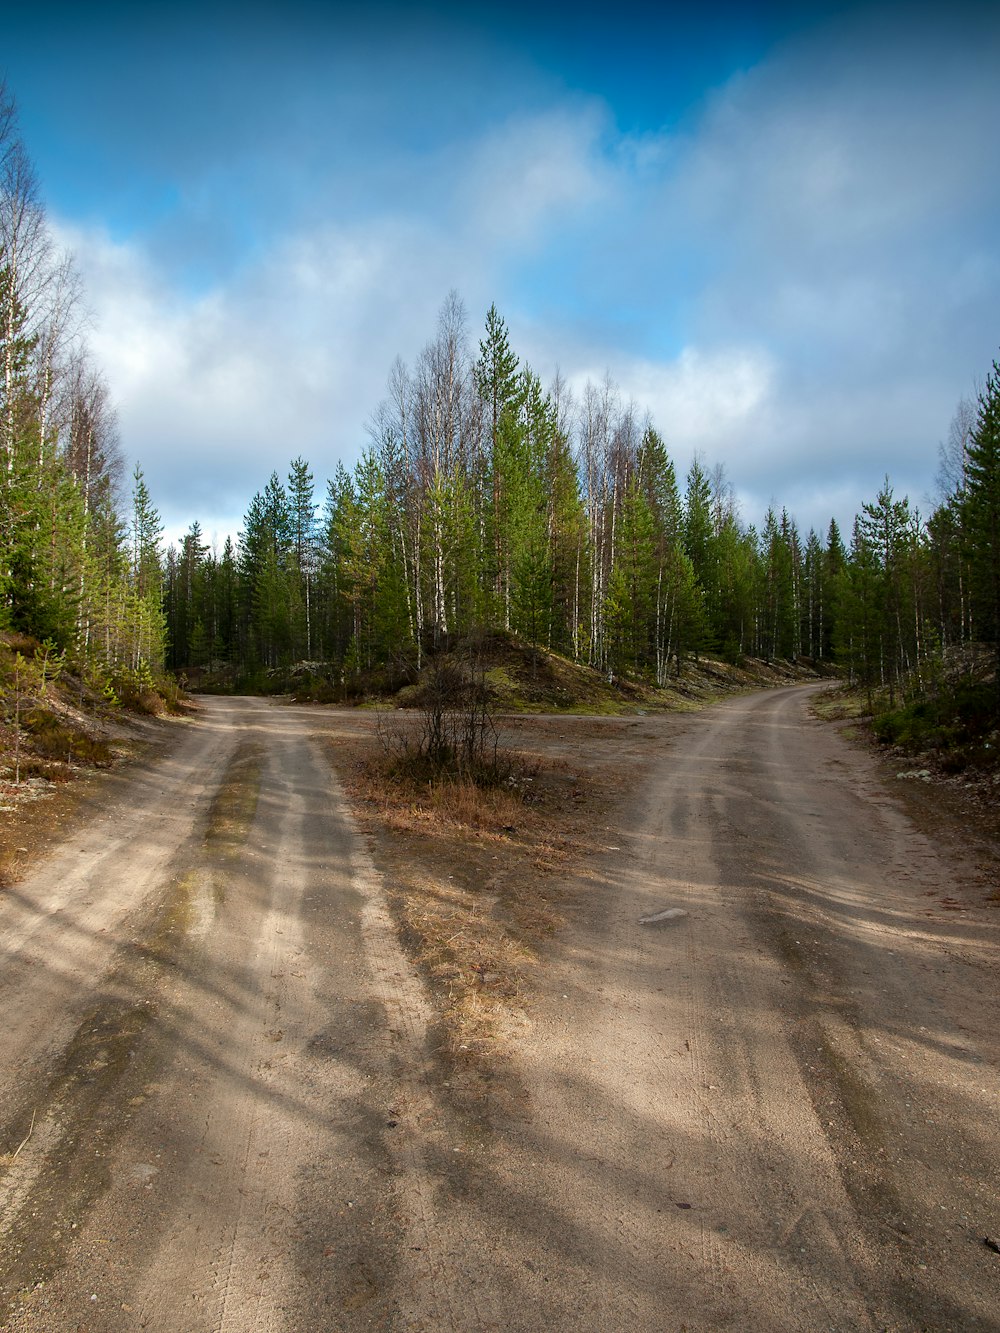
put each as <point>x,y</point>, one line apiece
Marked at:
<point>482,502</point>
<point>80,555</point>
<point>486,502</point>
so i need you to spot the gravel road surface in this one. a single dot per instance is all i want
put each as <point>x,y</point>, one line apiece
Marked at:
<point>760,1067</point>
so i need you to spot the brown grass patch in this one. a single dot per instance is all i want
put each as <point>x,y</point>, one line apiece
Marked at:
<point>440,805</point>
<point>472,878</point>
<point>51,737</point>
<point>33,767</point>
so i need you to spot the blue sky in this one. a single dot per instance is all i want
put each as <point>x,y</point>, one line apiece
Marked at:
<point>777,227</point>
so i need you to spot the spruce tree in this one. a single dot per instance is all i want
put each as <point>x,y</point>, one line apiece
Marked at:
<point>501,392</point>
<point>981,516</point>
<point>885,524</point>
<point>631,597</point>
<point>302,523</point>
<point>146,575</point>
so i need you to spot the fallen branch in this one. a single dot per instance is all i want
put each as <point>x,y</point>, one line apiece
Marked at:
<point>28,1135</point>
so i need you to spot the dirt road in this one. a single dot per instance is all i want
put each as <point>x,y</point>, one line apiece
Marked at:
<point>777,1108</point>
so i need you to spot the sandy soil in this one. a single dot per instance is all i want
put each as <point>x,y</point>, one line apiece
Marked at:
<point>221,1107</point>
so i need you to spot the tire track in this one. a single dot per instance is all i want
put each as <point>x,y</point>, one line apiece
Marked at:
<point>291,1158</point>
<point>435,1291</point>
<point>64,925</point>
<point>257,1126</point>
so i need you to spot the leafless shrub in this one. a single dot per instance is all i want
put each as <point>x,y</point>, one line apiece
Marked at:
<point>454,732</point>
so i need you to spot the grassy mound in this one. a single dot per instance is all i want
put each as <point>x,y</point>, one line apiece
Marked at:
<point>54,719</point>
<point>521,678</point>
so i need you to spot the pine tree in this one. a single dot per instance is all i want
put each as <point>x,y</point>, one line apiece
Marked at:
<point>699,540</point>
<point>834,563</point>
<point>568,553</point>
<point>528,576</point>
<point>499,388</point>
<point>885,525</point>
<point>227,646</point>
<point>631,598</point>
<point>737,581</point>
<point>814,599</point>
<point>981,515</point>
<point>146,576</point>
<point>146,530</point>
<point>659,483</point>
<point>860,617</point>
<point>778,610</point>
<point>302,524</point>
<point>268,579</point>
<point>683,618</point>
<point>335,577</point>
<point>185,600</point>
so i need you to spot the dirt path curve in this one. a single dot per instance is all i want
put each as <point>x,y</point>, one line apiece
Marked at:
<point>780,1109</point>
<point>221,1109</point>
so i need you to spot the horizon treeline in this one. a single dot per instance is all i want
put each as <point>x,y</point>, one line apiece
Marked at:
<point>76,572</point>
<point>485,502</point>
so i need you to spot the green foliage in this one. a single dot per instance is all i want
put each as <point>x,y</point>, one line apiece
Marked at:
<point>483,504</point>
<point>136,688</point>
<point>629,601</point>
<point>72,575</point>
<point>980,513</point>
<point>49,663</point>
<point>959,723</point>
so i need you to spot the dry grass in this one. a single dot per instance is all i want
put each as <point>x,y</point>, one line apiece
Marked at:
<point>455,805</point>
<point>52,737</point>
<point>472,879</point>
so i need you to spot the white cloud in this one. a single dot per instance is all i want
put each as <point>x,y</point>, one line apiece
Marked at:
<point>699,401</point>
<point>706,398</point>
<point>289,354</point>
<point>532,172</point>
<point>824,245</point>
<point>800,284</point>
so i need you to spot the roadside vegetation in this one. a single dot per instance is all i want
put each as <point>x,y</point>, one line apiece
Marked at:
<point>81,589</point>
<point>937,739</point>
<point>487,507</point>
<point>953,723</point>
<point>61,718</point>
<point>947,719</point>
<point>55,711</point>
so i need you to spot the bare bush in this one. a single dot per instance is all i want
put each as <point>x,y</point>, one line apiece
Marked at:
<point>454,733</point>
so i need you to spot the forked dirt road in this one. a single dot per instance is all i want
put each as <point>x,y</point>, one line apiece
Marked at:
<point>777,1108</point>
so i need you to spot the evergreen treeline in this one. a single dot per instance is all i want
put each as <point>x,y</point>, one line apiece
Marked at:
<point>484,502</point>
<point>76,572</point>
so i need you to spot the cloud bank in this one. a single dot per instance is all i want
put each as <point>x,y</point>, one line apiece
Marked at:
<point>798,279</point>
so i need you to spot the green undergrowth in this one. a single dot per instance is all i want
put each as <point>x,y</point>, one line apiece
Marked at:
<point>57,713</point>
<point>950,720</point>
<point>959,726</point>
